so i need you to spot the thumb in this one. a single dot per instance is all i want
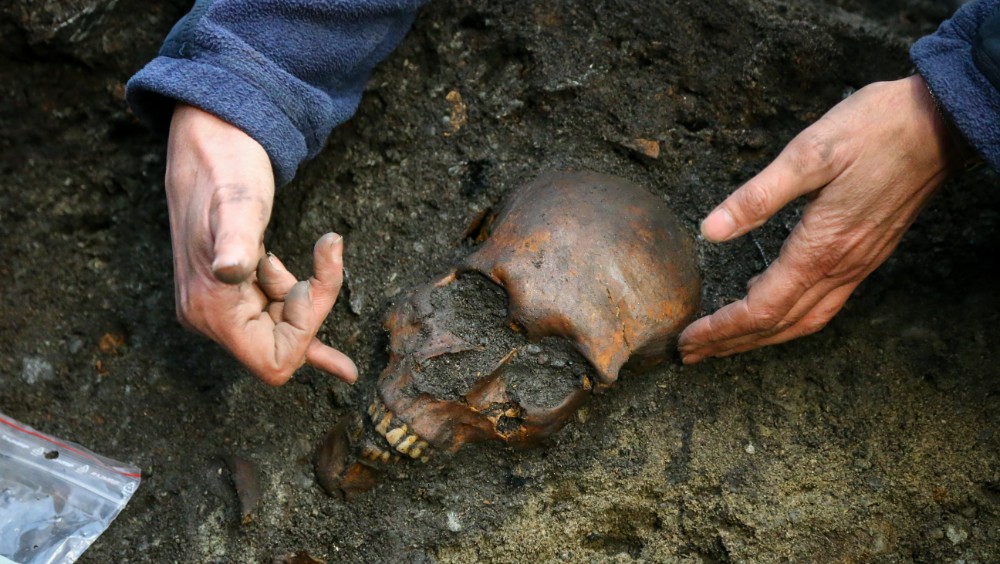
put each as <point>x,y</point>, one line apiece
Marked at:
<point>239,216</point>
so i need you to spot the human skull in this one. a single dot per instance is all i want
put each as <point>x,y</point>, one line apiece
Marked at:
<point>582,275</point>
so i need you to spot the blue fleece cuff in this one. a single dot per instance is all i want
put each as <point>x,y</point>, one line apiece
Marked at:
<point>286,72</point>
<point>945,61</point>
<point>153,91</point>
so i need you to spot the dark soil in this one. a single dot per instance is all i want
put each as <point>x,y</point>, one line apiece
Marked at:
<point>539,374</point>
<point>876,439</point>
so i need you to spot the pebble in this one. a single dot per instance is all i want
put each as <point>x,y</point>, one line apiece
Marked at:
<point>955,535</point>
<point>35,369</point>
<point>532,349</point>
<point>453,524</point>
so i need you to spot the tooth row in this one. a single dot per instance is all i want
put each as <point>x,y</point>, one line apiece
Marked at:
<point>399,436</point>
<point>373,453</point>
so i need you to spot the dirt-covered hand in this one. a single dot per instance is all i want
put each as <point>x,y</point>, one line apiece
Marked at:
<point>869,165</point>
<point>220,189</point>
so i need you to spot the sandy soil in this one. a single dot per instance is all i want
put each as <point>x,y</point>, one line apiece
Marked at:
<point>873,440</point>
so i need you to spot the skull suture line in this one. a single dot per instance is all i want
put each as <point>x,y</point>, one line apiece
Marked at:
<point>597,275</point>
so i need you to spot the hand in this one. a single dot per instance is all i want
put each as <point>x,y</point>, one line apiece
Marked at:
<point>869,165</point>
<point>220,189</point>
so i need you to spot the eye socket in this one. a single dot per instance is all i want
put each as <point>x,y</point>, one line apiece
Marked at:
<point>509,425</point>
<point>509,420</point>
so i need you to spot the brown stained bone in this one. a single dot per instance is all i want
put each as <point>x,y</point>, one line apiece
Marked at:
<point>597,260</point>
<point>587,262</point>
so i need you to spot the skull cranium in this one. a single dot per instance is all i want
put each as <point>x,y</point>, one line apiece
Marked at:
<point>582,275</point>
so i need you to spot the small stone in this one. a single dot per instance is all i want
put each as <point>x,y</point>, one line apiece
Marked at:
<point>647,147</point>
<point>532,349</point>
<point>956,535</point>
<point>453,524</point>
<point>35,369</point>
<point>750,448</point>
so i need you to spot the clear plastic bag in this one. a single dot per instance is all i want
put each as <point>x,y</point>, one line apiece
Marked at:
<point>56,497</point>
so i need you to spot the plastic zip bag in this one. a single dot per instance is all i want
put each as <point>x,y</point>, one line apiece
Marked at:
<point>56,497</point>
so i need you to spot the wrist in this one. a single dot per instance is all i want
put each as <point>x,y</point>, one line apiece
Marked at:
<point>214,152</point>
<point>959,154</point>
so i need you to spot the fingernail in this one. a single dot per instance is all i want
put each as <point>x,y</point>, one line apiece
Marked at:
<point>691,359</point>
<point>336,249</point>
<point>274,261</point>
<point>352,375</point>
<point>229,270</point>
<point>719,225</point>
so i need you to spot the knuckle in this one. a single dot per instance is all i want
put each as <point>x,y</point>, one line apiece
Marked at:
<point>811,152</point>
<point>232,192</point>
<point>327,286</point>
<point>275,374</point>
<point>755,201</point>
<point>814,324</point>
<point>765,320</point>
<point>240,196</point>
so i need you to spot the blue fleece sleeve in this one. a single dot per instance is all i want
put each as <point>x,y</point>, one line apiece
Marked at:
<point>946,62</point>
<point>284,71</point>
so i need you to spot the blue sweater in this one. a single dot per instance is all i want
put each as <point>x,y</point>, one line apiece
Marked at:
<point>288,71</point>
<point>284,71</point>
<point>956,62</point>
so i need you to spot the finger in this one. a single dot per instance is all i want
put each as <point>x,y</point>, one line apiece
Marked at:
<point>772,296</point>
<point>765,316</point>
<point>305,307</point>
<point>308,303</point>
<point>238,216</point>
<point>330,360</point>
<point>274,279</point>
<point>812,322</point>
<point>328,263</point>
<point>809,162</point>
<point>764,310</point>
<point>292,336</point>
